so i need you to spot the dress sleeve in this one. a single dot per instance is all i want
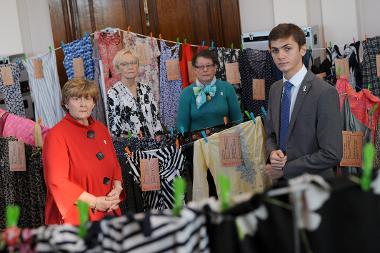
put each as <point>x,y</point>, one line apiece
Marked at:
<point>56,163</point>
<point>157,127</point>
<point>114,111</point>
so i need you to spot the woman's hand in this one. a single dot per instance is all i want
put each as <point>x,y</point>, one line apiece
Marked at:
<point>105,203</point>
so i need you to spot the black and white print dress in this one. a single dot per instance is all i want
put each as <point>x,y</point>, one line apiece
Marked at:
<point>127,113</point>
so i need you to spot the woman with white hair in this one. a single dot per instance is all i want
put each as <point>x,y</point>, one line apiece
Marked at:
<point>130,104</point>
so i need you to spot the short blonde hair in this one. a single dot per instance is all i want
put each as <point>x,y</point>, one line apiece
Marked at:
<point>79,87</point>
<point>117,59</point>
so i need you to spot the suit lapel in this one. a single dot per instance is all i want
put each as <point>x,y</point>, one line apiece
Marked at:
<point>277,110</point>
<point>302,92</point>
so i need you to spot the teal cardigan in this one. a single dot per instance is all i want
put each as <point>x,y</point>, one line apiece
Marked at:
<point>211,113</point>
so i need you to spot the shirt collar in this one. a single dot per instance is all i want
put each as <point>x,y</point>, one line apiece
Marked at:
<point>297,79</point>
<point>199,84</point>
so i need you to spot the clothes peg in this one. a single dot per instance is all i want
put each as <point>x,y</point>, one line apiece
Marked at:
<point>17,60</point>
<point>232,45</point>
<point>141,134</point>
<point>338,71</point>
<point>24,57</point>
<point>253,117</point>
<point>85,34</point>
<point>62,43</point>
<point>225,188</point>
<point>225,119</point>
<point>182,129</point>
<point>12,232</point>
<point>369,87</point>
<point>151,35</point>
<point>83,218</point>
<point>50,49</point>
<point>369,156</point>
<point>129,135</point>
<point>330,44</point>
<point>242,46</point>
<point>171,132</point>
<point>212,44</point>
<point>126,149</point>
<point>203,43</point>
<point>247,113</point>
<point>177,145</point>
<point>204,136</point>
<point>160,36</point>
<point>179,186</point>
<point>373,109</point>
<point>185,41</point>
<point>265,114</point>
<point>178,41</point>
<point>129,28</point>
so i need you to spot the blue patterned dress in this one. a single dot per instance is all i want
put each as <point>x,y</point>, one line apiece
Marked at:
<point>79,48</point>
<point>170,91</point>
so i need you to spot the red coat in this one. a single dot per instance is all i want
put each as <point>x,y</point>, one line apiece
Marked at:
<point>72,167</point>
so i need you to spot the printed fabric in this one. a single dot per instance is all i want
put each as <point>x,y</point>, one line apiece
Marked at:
<point>80,48</point>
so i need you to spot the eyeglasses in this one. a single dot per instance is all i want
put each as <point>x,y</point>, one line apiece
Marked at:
<point>208,66</point>
<point>127,64</point>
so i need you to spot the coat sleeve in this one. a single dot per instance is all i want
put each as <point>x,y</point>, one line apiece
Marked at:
<point>183,115</point>
<point>329,138</point>
<point>56,171</point>
<point>271,140</point>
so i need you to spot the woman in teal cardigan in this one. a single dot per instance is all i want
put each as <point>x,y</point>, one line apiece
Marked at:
<point>208,100</point>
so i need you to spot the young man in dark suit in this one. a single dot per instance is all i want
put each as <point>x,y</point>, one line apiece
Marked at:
<point>304,125</point>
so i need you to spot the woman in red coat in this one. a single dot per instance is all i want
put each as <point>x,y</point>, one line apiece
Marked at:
<point>79,160</point>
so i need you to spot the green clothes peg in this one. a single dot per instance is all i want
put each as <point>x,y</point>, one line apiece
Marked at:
<point>179,185</point>
<point>12,215</point>
<point>83,218</point>
<point>185,40</point>
<point>177,40</point>
<point>247,113</point>
<point>129,135</point>
<point>232,45</point>
<point>369,156</point>
<point>338,71</point>
<point>369,87</point>
<point>225,188</point>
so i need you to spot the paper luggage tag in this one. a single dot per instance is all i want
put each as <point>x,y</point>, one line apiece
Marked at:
<point>352,149</point>
<point>342,66</point>
<point>6,73</point>
<point>17,161</point>
<point>230,149</point>
<point>78,67</point>
<point>150,175</point>
<point>258,89</point>
<point>190,70</point>
<point>172,67</point>
<point>38,69</point>
<point>232,73</point>
<point>143,54</point>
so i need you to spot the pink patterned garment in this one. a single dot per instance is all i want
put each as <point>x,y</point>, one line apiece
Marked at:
<point>109,44</point>
<point>361,103</point>
<point>22,129</point>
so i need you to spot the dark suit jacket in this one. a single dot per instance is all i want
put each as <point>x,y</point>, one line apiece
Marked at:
<point>315,131</point>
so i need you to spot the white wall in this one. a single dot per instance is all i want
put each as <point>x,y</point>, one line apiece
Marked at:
<point>36,26</point>
<point>256,15</point>
<point>290,11</point>
<point>339,20</point>
<point>25,27</point>
<point>10,34</point>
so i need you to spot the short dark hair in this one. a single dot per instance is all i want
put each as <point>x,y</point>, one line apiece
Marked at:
<point>205,54</point>
<point>286,30</point>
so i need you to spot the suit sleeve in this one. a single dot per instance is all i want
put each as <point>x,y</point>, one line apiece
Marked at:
<point>271,140</point>
<point>329,139</point>
<point>56,171</point>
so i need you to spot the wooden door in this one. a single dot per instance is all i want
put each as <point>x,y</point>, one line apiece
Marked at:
<point>196,20</point>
